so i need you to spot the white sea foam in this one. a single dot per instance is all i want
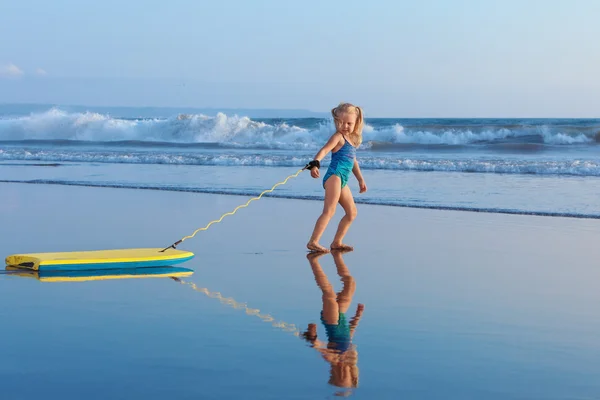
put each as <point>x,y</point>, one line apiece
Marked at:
<point>243,132</point>
<point>578,167</point>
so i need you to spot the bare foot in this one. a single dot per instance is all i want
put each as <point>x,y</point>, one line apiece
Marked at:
<point>314,255</point>
<point>341,247</point>
<point>316,247</point>
<point>341,251</point>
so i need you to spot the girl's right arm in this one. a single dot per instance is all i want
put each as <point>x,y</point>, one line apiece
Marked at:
<point>330,145</point>
<point>315,164</point>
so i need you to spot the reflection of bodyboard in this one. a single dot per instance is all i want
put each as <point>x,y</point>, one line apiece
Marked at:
<point>103,274</point>
<point>99,259</point>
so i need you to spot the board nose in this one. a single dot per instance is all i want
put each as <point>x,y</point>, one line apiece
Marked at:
<point>22,262</point>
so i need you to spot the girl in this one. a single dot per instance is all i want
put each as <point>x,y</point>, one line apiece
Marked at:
<point>343,143</point>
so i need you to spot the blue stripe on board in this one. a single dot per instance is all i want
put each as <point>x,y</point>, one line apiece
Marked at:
<point>115,265</point>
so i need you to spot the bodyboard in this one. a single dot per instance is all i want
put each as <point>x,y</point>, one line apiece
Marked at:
<point>99,259</point>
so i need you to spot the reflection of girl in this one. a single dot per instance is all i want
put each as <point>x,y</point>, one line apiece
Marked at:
<point>339,350</point>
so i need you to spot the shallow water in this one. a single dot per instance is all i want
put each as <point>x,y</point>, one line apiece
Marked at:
<point>573,196</point>
<point>456,305</point>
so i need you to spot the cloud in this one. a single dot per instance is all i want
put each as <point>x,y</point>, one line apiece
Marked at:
<point>41,72</point>
<point>10,71</point>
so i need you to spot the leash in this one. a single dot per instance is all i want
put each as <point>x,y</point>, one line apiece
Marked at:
<point>307,166</point>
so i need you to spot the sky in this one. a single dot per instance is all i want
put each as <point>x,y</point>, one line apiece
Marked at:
<point>428,58</point>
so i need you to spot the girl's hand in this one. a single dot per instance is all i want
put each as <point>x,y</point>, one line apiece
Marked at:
<point>362,185</point>
<point>360,308</point>
<point>314,172</point>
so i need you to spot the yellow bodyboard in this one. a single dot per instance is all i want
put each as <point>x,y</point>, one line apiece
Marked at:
<point>99,259</point>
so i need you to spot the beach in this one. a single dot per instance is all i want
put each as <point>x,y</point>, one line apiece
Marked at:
<point>456,304</point>
<point>158,198</point>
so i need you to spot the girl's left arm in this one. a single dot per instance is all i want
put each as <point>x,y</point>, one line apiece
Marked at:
<point>361,181</point>
<point>356,319</point>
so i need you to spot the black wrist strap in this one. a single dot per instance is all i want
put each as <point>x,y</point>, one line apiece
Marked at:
<point>313,164</point>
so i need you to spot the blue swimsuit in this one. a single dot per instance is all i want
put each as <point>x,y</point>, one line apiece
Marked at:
<point>342,162</point>
<point>338,335</point>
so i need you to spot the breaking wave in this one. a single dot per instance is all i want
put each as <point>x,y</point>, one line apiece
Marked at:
<point>244,132</point>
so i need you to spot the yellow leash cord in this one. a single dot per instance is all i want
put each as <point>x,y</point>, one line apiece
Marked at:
<point>235,210</point>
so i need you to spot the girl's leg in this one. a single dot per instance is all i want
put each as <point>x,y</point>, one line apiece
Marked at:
<point>332,196</point>
<point>344,297</point>
<point>330,305</point>
<point>347,202</point>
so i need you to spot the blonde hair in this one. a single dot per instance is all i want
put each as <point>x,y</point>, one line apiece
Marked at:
<point>351,109</point>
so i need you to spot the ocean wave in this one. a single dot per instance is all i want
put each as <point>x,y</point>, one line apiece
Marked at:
<point>243,132</point>
<point>57,125</point>
<point>576,167</point>
<point>247,193</point>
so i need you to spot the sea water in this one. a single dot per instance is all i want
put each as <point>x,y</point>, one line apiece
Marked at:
<point>521,166</point>
<point>456,305</point>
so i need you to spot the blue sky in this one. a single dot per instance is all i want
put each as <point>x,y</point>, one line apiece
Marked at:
<point>430,58</point>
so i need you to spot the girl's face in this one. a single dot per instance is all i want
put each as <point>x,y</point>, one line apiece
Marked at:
<point>345,123</point>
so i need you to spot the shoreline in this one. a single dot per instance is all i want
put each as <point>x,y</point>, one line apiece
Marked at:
<point>480,210</point>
